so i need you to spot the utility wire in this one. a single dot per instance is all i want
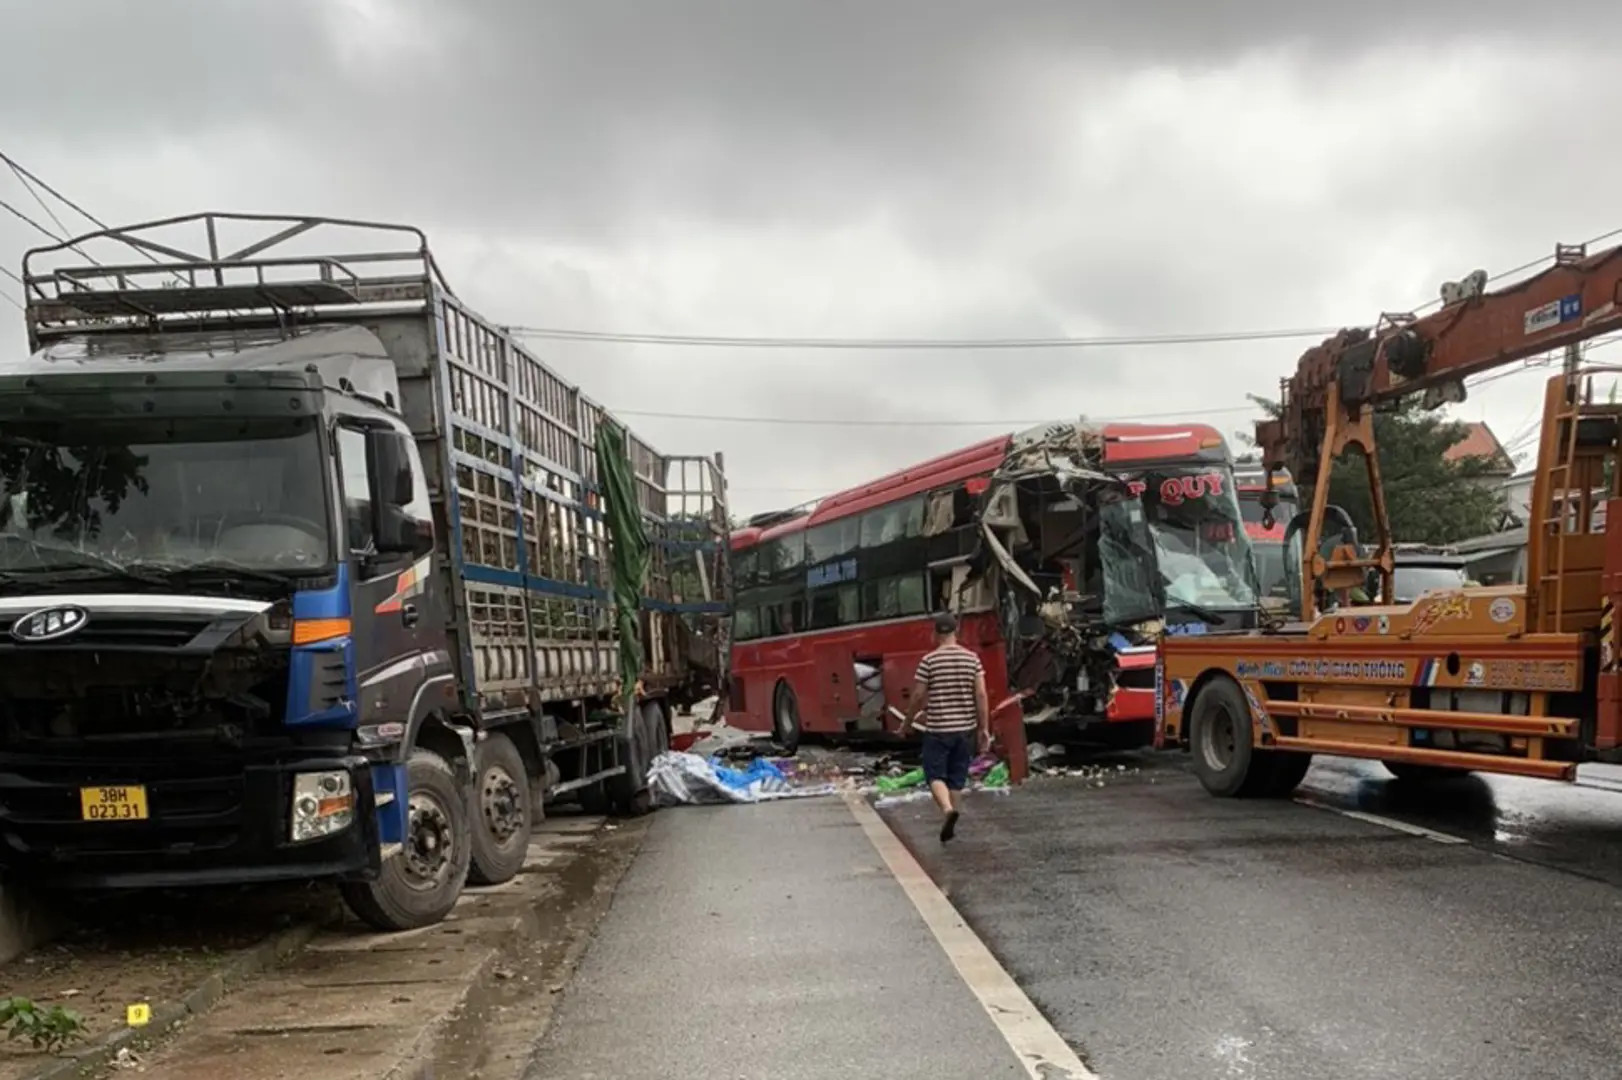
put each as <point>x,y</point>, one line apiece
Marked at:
<point>821,421</point>
<point>59,239</point>
<point>25,175</point>
<point>25,219</point>
<point>722,341</point>
<point>43,205</point>
<point>1125,341</point>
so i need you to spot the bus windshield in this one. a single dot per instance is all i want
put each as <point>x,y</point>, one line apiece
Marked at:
<point>1126,555</point>
<point>1204,553</point>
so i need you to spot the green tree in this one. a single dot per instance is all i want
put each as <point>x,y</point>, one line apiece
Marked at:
<point>1428,498</point>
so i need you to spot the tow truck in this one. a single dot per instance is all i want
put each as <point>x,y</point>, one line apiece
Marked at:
<point>1512,679</point>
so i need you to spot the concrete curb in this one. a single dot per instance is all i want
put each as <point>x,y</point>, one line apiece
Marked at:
<point>166,1016</point>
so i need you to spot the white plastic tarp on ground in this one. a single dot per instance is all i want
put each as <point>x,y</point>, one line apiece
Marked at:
<point>678,779</point>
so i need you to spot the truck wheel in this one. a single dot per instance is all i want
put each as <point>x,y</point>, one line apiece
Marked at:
<point>628,793</point>
<point>1219,737</point>
<point>786,718</point>
<point>1286,770</point>
<point>420,884</point>
<point>502,815</point>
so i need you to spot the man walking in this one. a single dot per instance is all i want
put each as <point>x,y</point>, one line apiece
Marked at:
<point>957,718</point>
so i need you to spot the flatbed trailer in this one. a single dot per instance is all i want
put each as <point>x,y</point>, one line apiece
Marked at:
<point>482,592</point>
<point>1518,679</point>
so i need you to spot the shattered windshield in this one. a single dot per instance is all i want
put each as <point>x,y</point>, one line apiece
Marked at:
<point>1199,536</point>
<point>1126,554</point>
<point>163,496</point>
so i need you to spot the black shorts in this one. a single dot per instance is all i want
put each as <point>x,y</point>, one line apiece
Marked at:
<point>947,757</point>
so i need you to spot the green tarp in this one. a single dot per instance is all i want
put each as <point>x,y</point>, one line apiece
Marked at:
<point>628,542</point>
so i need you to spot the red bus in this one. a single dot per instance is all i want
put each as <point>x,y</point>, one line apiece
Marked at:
<point>1277,572</point>
<point>1065,551</point>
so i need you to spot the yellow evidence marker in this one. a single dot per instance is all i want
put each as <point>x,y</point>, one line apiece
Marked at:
<point>138,1015</point>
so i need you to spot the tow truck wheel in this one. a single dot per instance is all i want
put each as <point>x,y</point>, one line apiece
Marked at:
<point>786,718</point>
<point>1219,737</point>
<point>1287,769</point>
<point>419,885</point>
<point>502,816</point>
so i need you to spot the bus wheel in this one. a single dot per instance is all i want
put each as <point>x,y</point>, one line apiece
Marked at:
<point>1219,736</point>
<point>502,815</point>
<point>1409,773</point>
<point>786,718</point>
<point>1286,770</point>
<point>419,885</point>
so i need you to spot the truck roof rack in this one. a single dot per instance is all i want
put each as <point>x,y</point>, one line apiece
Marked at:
<point>212,270</point>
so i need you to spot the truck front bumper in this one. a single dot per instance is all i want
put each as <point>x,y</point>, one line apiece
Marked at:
<point>206,822</point>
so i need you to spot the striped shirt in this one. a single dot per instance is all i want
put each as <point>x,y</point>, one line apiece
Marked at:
<point>948,676</point>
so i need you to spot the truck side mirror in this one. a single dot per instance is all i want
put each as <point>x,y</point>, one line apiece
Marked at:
<point>397,532</point>
<point>393,463</point>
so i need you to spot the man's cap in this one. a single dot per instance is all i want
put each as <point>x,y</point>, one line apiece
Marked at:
<point>945,623</point>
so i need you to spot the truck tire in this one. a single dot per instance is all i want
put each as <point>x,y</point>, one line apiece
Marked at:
<point>1287,769</point>
<point>419,885</point>
<point>501,811</point>
<point>628,793</point>
<point>1225,761</point>
<point>786,718</point>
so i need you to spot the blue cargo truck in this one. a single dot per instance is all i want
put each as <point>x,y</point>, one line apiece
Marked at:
<point>309,572</point>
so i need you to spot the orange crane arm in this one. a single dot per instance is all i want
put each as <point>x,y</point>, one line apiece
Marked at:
<point>1327,406</point>
<point>1577,298</point>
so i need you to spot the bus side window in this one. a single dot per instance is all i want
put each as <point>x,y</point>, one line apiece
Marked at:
<point>838,606</point>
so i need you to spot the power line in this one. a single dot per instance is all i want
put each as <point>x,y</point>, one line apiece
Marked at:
<point>25,175</point>
<point>826,421</point>
<point>43,205</point>
<point>1123,341</point>
<point>723,341</point>
<point>59,239</point>
<point>28,220</point>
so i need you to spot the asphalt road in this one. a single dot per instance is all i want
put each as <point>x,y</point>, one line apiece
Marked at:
<point>766,941</point>
<point>1173,936</point>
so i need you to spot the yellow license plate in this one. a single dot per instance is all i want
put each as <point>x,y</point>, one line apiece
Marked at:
<point>113,803</point>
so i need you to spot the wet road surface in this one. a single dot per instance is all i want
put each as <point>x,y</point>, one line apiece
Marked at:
<point>1174,936</point>
<point>767,941</point>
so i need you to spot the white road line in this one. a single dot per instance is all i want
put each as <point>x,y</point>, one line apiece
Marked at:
<point>1389,823</point>
<point>1043,1052</point>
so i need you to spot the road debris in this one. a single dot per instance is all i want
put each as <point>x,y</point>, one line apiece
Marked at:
<point>688,779</point>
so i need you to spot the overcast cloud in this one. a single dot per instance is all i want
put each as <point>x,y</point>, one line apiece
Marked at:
<point>916,168</point>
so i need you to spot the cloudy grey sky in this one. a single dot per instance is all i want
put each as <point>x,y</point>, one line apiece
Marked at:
<point>894,168</point>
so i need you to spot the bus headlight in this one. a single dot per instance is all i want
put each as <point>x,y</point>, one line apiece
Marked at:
<point>323,803</point>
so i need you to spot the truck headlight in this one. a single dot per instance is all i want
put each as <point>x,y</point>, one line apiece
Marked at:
<point>323,803</point>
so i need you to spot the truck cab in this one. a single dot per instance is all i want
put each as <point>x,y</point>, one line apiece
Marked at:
<point>285,594</point>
